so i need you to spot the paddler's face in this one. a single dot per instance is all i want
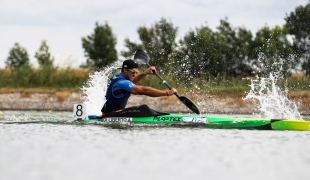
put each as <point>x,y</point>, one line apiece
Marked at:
<point>132,73</point>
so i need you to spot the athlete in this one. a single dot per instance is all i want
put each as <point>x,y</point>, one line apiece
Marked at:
<point>122,85</point>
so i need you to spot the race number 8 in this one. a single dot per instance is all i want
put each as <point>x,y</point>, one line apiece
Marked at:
<point>79,112</point>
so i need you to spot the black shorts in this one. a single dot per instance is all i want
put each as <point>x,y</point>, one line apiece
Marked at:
<point>135,111</point>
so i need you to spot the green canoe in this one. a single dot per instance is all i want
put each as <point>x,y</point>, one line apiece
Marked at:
<point>188,120</point>
<point>211,122</point>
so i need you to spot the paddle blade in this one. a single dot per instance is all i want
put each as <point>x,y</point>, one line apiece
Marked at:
<point>141,57</point>
<point>189,104</point>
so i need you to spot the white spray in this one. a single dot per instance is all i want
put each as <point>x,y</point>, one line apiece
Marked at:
<point>271,101</point>
<point>94,90</point>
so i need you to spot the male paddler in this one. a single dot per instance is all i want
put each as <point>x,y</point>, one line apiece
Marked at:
<point>123,84</point>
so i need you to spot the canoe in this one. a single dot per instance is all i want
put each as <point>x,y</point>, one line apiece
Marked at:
<point>210,122</point>
<point>190,121</point>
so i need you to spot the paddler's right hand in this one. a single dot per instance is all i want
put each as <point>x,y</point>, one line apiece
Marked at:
<point>171,92</point>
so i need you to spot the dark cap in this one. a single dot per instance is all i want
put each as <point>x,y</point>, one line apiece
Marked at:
<point>129,63</point>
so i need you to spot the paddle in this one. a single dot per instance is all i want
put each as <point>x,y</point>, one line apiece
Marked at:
<point>142,58</point>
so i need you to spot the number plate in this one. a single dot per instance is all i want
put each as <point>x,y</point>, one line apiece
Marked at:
<point>79,111</point>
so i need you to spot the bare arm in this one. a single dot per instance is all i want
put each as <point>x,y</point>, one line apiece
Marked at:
<point>144,90</point>
<point>139,77</point>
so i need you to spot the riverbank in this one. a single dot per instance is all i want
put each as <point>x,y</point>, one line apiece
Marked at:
<point>44,100</point>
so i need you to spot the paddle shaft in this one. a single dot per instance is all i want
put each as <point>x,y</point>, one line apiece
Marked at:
<point>163,81</point>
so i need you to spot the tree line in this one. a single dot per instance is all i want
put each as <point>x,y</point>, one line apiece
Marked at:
<point>202,53</point>
<point>19,57</point>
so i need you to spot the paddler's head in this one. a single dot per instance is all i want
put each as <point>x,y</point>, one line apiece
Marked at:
<point>130,69</point>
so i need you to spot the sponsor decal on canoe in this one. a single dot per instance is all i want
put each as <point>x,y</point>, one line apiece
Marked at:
<point>174,119</point>
<point>117,119</point>
<point>195,119</point>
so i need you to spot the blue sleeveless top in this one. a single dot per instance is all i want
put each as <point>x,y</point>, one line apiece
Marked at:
<point>119,90</point>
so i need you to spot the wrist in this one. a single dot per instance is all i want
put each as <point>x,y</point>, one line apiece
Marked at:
<point>167,93</point>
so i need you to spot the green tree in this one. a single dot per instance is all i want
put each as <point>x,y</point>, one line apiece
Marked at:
<point>158,41</point>
<point>235,49</point>
<point>18,57</point>
<point>43,55</point>
<point>206,53</point>
<point>99,47</point>
<point>272,51</point>
<point>298,23</point>
<point>195,53</point>
<point>243,51</point>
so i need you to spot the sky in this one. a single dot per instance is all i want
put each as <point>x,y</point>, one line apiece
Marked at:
<point>62,23</point>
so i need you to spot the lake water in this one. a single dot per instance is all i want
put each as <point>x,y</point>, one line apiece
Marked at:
<point>61,151</point>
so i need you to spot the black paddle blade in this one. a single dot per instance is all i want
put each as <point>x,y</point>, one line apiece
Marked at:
<point>189,104</point>
<point>141,57</point>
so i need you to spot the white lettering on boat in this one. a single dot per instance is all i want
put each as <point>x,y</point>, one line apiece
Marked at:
<point>117,119</point>
<point>195,119</point>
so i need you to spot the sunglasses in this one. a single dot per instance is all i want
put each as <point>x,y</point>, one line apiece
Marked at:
<point>135,72</point>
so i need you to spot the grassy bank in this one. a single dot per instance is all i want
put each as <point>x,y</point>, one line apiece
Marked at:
<point>47,78</point>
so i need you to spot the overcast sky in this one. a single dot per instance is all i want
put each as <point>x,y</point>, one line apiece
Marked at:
<point>62,23</point>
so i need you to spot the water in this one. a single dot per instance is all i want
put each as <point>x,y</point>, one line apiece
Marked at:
<point>60,151</point>
<point>75,151</point>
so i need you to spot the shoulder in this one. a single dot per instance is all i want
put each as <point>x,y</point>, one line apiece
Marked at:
<point>117,76</point>
<point>124,84</point>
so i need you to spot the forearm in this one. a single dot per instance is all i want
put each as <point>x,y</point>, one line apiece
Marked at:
<point>139,77</point>
<point>144,90</point>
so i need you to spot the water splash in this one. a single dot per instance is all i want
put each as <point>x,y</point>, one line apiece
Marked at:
<point>271,101</point>
<point>94,90</point>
